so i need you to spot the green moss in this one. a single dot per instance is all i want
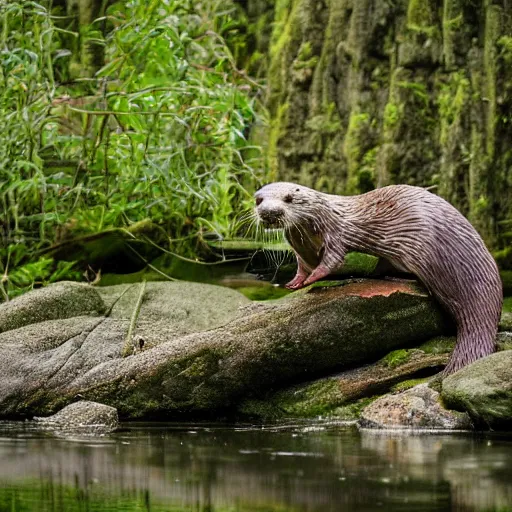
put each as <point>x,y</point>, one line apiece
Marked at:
<point>420,16</point>
<point>408,384</point>
<point>392,115</point>
<point>305,59</point>
<point>357,263</point>
<point>505,45</point>
<point>263,293</point>
<point>506,279</point>
<point>286,35</point>
<point>276,132</point>
<point>494,15</point>
<point>503,258</point>
<point>507,304</point>
<point>453,21</point>
<point>326,123</point>
<point>452,100</point>
<point>282,15</point>
<point>418,89</point>
<point>354,144</point>
<point>318,398</point>
<point>438,345</point>
<point>396,358</point>
<point>351,411</point>
<point>481,205</point>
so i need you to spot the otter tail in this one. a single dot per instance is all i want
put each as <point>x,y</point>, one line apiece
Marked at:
<point>477,326</point>
<point>473,342</point>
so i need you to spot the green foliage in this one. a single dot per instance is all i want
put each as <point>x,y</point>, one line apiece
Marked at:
<point>392,115</point>
<point>159,132</point>
<point>328,122</point>
<point>452,101</point>
<point>420,17</point>
<point>505,45</point>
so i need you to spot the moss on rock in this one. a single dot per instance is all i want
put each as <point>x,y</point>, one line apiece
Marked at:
<point>396,358</point>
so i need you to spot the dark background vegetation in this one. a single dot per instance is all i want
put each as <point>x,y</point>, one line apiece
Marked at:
<point>177,110</point>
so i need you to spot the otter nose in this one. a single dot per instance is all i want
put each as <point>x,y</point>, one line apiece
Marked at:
<point>270,215</point>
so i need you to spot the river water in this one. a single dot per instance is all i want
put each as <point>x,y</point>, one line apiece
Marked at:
<point>218,468</point>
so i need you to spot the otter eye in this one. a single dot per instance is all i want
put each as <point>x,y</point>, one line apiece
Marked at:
<point>288,199</point>
<point>259,200</point>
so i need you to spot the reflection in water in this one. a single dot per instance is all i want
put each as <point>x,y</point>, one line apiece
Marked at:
<point>207,469</point>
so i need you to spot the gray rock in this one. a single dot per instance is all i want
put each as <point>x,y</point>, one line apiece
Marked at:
<point>483,389</point>
<point>58,301</point>
<point>173,309</point>
<point>202,351</point>
<point>415,408</point>
<point>82,417</point>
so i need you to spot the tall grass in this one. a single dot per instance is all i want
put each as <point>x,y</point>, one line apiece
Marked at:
<point>160,132</point>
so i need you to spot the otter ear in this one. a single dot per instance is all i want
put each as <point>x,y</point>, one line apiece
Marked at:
<point>288,198</point>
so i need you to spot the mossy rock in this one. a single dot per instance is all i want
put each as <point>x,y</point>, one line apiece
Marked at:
<point>344,395</point>
<point>199,350</point>
<point>484,390</point>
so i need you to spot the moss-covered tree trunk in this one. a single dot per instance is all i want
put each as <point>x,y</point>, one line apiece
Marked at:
<point>364,93</point>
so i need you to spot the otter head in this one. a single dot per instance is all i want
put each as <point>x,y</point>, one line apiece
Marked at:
<point>276,204</point>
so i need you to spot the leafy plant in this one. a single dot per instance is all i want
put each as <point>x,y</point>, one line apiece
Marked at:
<point>160,132</point>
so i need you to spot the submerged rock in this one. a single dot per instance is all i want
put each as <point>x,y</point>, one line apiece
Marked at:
<point>484,390</point>
<point>86,417</point>
<point>415,408</point>
<point>198,350</point>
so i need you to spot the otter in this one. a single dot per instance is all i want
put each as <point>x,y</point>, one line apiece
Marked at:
<point>413,229</point>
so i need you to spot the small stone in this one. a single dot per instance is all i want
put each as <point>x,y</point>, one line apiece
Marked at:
<point>415,408</point>
<point>84,416</point>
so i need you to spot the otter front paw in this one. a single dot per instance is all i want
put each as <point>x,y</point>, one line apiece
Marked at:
<point>296,282</point>
<point>319,273</point>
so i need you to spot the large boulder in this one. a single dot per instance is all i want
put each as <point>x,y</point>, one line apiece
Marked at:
<point>201,348</point>
<point>484,390</point>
